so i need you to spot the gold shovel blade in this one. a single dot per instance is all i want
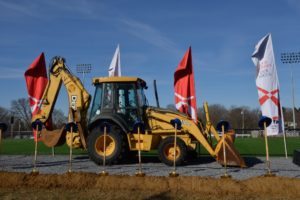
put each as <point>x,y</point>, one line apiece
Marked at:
<point>53,138</point>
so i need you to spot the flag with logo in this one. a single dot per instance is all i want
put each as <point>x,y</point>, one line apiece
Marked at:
<point>184,86</point>
<point>36,82</point>
<point>268,85</point>
<point>115,65</point>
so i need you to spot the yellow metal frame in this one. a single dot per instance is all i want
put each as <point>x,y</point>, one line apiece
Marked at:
<point>151,141</point>
<point>145,140</point>
<point>117,79</point>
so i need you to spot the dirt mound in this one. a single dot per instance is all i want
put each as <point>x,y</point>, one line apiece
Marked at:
<point>93,186</point>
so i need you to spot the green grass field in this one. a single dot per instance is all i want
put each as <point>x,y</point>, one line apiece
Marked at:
<point>26,147</point>
<point>256,146</point>
<point>246,147</point>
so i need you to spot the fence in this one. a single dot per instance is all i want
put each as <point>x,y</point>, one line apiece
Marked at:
<point>259,133</point>
<point>254,133</point>
<point>18,134</point>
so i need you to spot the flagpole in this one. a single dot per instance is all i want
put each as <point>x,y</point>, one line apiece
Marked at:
<point>284,141</point>
<point>283,132</point>
<point>267,149</point>
<point>293,98</point>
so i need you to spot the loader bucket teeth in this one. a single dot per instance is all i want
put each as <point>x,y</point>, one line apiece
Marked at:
<point>232,155</point>
<point>53,138</point>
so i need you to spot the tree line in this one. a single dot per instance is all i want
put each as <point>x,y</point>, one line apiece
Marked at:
<point>18,116</point>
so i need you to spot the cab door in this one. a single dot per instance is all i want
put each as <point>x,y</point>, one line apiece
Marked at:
<point>127,103</point>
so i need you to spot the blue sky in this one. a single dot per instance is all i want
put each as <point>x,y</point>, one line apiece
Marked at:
<point>153,37</point>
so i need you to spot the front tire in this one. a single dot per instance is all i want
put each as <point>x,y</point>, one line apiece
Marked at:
<point>114,148</point>
<point>166,151</point>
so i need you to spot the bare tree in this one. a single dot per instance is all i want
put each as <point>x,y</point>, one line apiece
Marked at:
<point>21,110</point>
<point>251,118</point>
<point>244,117</point>
<point>58,119</point>
<point>297,116</point>
<point>217,112</point>
<point>236,116</point>
<point>4,115</point>
<point>288,116</point>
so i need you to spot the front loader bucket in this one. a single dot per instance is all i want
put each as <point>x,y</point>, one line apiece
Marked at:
<point>53,138</point>
<point>232,155</point>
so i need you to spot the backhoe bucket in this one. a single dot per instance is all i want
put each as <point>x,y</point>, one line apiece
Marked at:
<point>53,138</point>
<point>233,158</point>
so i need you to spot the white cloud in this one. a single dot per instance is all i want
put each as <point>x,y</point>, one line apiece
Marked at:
<point>47,10</point>
<point>24,8</point>
<point>149,34</point>
<point>295,4</point>
<point>81,8</point>
<point>11,73</point>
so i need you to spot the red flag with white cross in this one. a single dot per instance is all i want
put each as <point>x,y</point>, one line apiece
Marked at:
<point>36,82</point>
<point>184,86</point>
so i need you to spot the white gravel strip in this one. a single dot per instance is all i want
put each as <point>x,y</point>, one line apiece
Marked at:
<point>203,166</point>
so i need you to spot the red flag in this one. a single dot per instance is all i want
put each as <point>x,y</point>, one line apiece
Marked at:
<point>184,86</point>
<point>36,81</point>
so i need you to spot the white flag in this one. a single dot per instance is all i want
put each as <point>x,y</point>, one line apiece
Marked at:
<point>268,85</point>
<point>115,65</point>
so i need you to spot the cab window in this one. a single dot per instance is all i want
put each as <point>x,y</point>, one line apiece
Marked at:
<point>108,96</point>
<point>96,106</point>
<point>127,106</point>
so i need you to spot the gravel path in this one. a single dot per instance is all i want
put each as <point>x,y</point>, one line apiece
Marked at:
<point>204,166</point>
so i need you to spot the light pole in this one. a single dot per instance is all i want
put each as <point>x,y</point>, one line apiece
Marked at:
<point>83,69</point>
<point>291,58</point>
<point>243,122</point>
<point>19,120</point>
<point>12,125</point>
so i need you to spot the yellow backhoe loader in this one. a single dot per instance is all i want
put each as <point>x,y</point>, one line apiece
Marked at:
<point>120,102</point>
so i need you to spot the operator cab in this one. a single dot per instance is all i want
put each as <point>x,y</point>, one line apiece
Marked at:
<point>121,97</point>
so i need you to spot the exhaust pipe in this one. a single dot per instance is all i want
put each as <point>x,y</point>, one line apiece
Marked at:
<point>156,95</point>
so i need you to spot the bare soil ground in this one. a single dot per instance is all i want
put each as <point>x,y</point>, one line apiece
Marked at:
<point>19,185</point>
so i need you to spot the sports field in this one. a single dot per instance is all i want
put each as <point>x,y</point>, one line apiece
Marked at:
<point>245,146</point>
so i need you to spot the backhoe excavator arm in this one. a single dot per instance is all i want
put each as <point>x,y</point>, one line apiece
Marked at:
<point>78,97</point>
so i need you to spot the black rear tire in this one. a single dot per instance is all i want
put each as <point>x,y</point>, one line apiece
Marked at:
<point>115,146</point>
<point>166,149</point>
